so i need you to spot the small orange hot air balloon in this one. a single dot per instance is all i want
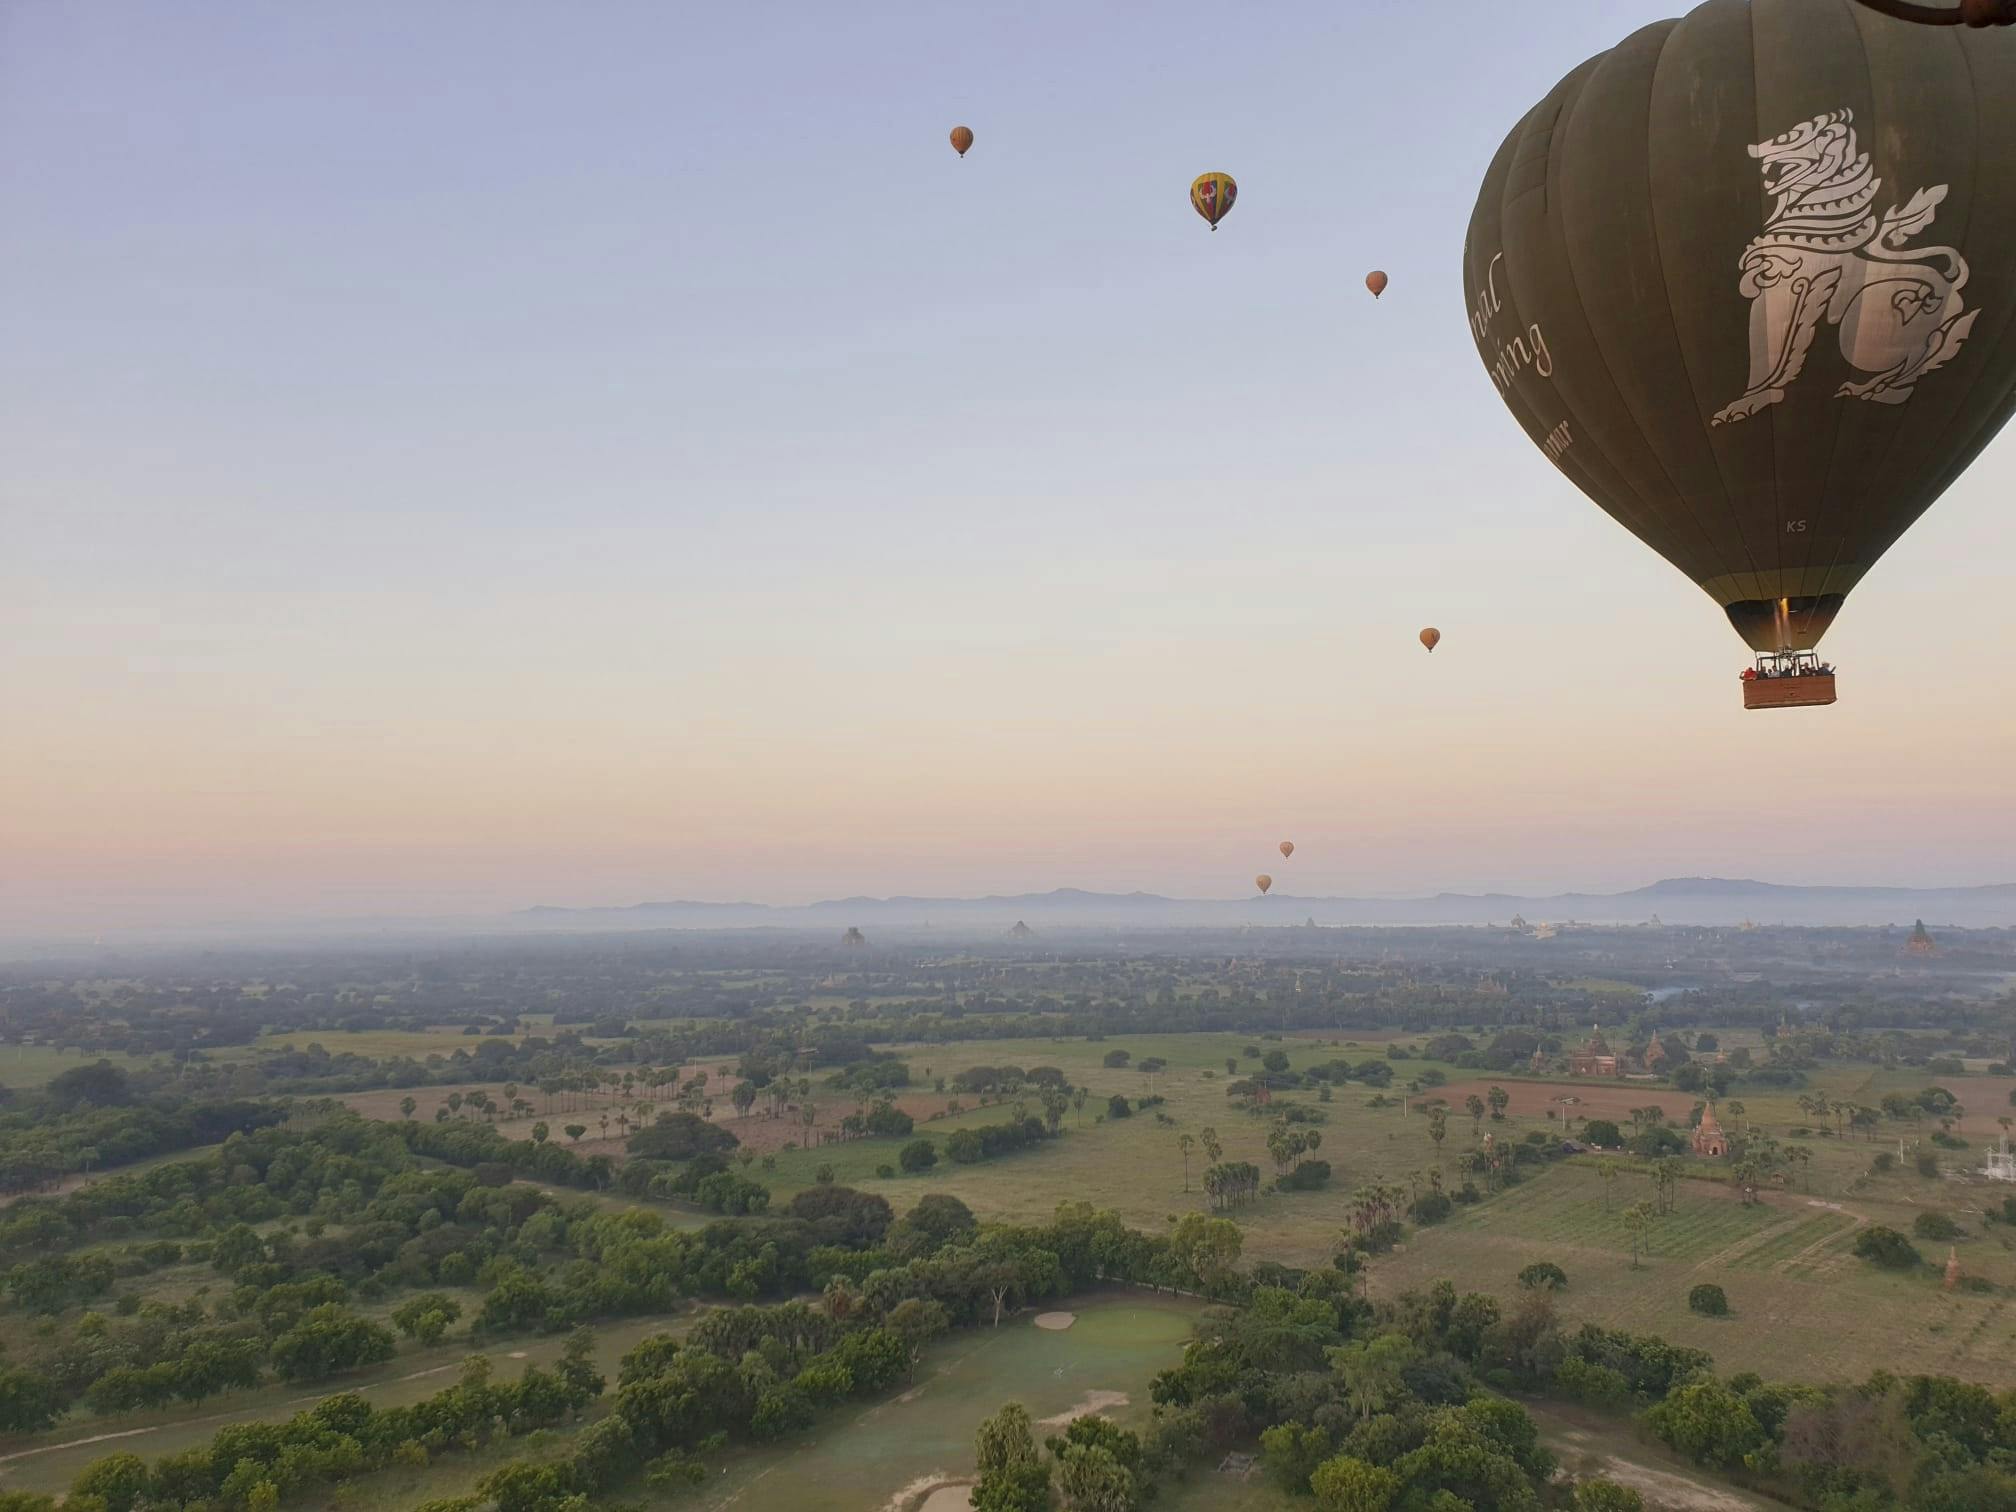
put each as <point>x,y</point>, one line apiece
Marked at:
<point>1263,882</point>
<point>1376,282</point>
<point>962,138</point>
<point>1287,849</point>
<point>1431,637</point>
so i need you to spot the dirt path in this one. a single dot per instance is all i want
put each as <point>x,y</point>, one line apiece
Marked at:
<point>1592,1446</point>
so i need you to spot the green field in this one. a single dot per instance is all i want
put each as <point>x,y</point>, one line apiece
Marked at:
<point>1784,1262</point>
<point>27,1066</point>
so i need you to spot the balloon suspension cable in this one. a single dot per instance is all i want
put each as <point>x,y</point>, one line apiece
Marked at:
<point>1966,13</point>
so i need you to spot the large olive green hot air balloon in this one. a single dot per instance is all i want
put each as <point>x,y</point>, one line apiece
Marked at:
<point>1749,280</point>
<point>1212,195</point>
<point>1263,882</point>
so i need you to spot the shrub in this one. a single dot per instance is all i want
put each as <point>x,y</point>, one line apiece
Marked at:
<point>1885,1161</point>
<point>886,1171</point>
<point>1887,1248</point>
<point>1430,1207</point>
<point>1117,1106</point>
<point>1543,1275</point>
<point>1306,1177</point>
<point>1927,1163</point>
<point>1934,1226</point>
<point>918,1155</point>
<point>1709,1300</point>
<point>1602,1133</point>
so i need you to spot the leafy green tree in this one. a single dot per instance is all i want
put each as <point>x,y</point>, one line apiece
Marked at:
<point>1887,1248</point>
<point>1348,1484</point>
<point>1708,1423</point>
<point>426,1317</point>
<point>918,1155</point>
<point>119,1481</point>
<point>1005,1440</point>
<point>1543,1275</point>
<point>28,1401</point>
<point>1709,1300</point>
<point>1606,1496</point>
<point>1090,1478</point>
<point>1500,1100</point>
<point>1291,1452</point>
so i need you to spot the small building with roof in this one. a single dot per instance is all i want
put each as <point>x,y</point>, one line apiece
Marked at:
<point>1595,1058</point>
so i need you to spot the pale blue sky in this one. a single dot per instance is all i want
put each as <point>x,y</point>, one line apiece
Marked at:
<point>464,455</point>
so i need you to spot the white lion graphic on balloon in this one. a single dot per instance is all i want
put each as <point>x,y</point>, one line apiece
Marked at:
<point>1825,256</point>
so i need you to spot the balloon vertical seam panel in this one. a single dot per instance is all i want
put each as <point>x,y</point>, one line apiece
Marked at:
<point>1717,271</point>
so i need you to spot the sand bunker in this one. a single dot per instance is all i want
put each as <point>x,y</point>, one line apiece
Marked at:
<point>1095,1403</point>
<point>939,1492</point>
<point>1056,1320</point>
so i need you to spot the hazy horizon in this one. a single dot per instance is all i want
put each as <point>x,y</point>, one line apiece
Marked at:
<point>458,460</point>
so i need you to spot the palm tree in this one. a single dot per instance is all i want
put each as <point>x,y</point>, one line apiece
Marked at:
<point>605,1125</point>
<point>1078,1102</point>
<point>1607,1170</point>
<point>1186,1144</point>
<point>1638,1219</point>
<point>1213,1150</point>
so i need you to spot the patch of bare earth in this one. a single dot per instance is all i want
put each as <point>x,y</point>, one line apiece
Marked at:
<point>1095,1404</point>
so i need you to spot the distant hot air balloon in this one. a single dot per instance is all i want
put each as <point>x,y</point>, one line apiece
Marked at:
<point>1212,194</point>
<point>1705,276</point>
<point>1287,848</point>
<point>1431,637</point>
<point>1263,882</point>
<point>1376,282</point>
<point>962,138</point>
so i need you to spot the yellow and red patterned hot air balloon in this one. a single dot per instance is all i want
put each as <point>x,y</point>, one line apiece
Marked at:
<point>1287,849</point>
<point>1263,882</point>
<point>1376,282</point>
<point>962,138</point>
<point>1431,637</point>
<point>1212,194</point>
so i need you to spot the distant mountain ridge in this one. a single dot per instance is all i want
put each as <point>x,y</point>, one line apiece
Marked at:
<point>1677,900</point>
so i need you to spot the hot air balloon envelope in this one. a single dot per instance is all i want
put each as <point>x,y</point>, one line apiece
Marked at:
<point>1376,282</point>
<point>962,138</point>
<point>1263,882</point>
<point>1287,848</point>
<point>1431,637</point>
<point>1212,194</point>
<point>1749,280</point>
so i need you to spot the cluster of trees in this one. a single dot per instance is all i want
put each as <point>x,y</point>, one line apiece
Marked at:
<point>761,1373</point>
<point>94,1117</point>
<point>1095,1465</point>
<point>254,1467</point>
<point>1928,1443</point>
<point>1231,1184</point>
<point>966,1146</point>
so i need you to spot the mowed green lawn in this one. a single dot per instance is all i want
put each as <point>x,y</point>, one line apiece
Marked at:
<point>866,1457</point>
